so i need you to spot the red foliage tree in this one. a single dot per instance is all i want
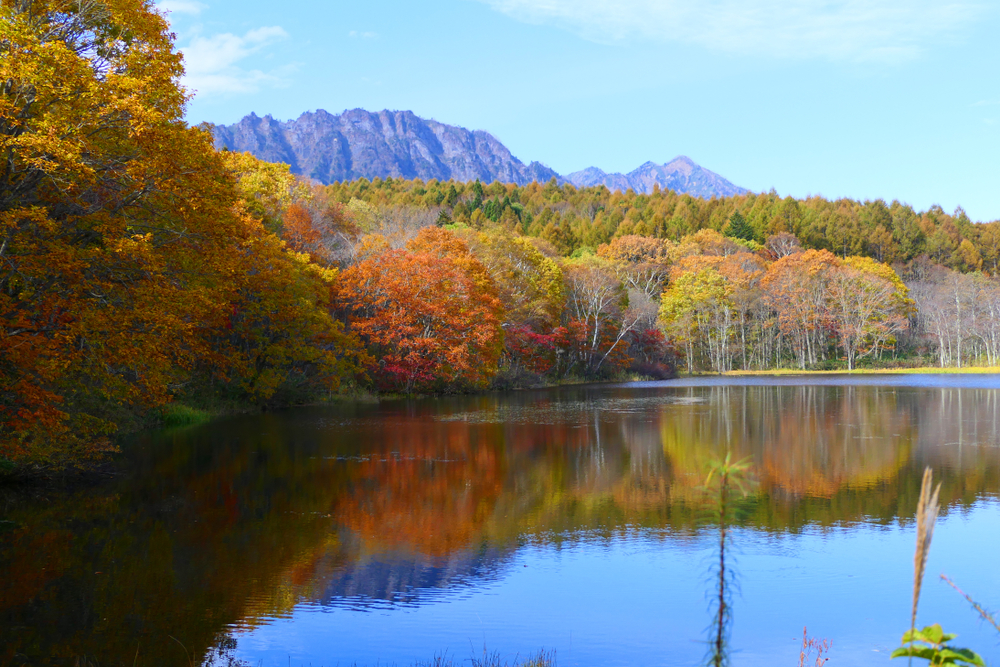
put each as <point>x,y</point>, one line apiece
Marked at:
<point>429,314</point>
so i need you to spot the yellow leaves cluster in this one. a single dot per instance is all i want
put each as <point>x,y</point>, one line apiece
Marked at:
<point>727,294</point>
<point>529,284</point>
<point>134,260</point>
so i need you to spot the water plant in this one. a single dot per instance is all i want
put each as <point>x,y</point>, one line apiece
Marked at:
<point>493,659</point>
<point>984,614</point>
<point>178,414</point>
<point>810,644</point>
<point>931,642</point>
<point>728,474</point>
<point>927,511</point>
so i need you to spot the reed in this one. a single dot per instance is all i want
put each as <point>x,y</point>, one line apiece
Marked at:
<point>934,643</point>
<point>927,511</point>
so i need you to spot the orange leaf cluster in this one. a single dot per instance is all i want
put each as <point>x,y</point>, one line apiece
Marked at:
<point>429,314</point>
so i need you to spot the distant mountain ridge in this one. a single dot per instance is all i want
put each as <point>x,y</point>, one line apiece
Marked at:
<point>681,174</point>
<point>357,143</point>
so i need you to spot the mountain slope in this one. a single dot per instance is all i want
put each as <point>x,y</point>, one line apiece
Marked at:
<point>681,174</point>
<point>359,143</point>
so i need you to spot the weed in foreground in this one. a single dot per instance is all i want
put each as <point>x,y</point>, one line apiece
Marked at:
<point>811,644</point>
<point>930,643</point>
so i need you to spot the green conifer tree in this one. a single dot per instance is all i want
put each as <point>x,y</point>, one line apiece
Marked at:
<point>739,228</point>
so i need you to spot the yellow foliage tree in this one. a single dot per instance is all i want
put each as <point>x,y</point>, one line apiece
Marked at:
<point>126,241</point>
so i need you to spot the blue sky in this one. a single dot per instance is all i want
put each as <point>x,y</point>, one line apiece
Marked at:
<point>897,99</point>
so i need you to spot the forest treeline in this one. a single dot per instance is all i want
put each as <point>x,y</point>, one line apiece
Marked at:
<point>747,282</point>
<point>139,267</point>
<point>576,220</point>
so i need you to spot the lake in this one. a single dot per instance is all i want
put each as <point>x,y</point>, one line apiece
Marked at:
<point>571,519</point>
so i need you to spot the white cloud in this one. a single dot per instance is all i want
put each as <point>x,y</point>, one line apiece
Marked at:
<point>363,35</point>
<point>851,30</point>
<point>212,63</point>
<point>181,7</point>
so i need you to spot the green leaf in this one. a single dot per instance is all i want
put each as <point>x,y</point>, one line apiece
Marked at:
<point>936,635</point>
<point>925,652</point>
<point>933,648</point>
<point>956,655</point>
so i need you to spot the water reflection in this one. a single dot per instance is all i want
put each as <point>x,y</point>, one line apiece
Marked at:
<point>369,507</point>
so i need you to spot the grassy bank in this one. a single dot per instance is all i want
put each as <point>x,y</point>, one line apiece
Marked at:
<point>925,370</point>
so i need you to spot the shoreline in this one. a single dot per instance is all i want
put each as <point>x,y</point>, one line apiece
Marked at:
<point>924,370</point>
<point>180,415</point>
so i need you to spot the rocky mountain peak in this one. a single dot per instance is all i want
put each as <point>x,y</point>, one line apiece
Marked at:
<point>358,143</point>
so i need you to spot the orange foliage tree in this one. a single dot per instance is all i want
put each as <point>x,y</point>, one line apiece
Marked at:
<point>126,241</point>
<point>95,210</point>
<point>428,313</point>
<point>319,227</point>
<point>797,288</point>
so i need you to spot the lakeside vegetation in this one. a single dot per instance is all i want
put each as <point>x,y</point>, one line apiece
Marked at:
<point>752,281</point>
<point>148,279</point>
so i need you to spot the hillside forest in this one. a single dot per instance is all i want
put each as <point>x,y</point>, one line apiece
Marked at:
<point>141,269</point>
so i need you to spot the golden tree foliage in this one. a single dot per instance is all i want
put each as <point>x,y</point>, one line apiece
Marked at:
<point>641,262</point>
<point>92,142</point>
<point>697,309</point>
<point>529,284</point>
<point>127,242</point>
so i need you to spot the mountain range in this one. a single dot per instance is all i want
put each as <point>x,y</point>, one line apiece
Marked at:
<point>357,143</point>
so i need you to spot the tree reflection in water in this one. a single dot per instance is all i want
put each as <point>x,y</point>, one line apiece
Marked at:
<point>223,526</point>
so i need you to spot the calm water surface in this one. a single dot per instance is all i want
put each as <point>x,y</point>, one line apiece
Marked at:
<point>569,519</point>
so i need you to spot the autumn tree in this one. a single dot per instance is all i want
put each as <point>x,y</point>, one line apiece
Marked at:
<point>697,312</point>
<point>428,313</point>
<point>641,262</point>
<point>797,288</point>
<point>529,284</point>
<point>128,243</point>
<point>598,309</point>
<point>754,339</point>
<point>868,306</point>
<point>96,190</point>
<point>322,228</point>
<point>782,244</point>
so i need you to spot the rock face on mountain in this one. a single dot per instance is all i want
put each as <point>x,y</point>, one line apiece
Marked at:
<point>359,143</point>
<point>680,174</point>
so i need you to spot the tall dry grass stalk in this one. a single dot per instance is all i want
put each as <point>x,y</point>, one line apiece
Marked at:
<point>927,511</point>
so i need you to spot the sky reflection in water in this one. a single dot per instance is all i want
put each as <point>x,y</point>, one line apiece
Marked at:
<point>569,519</point>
